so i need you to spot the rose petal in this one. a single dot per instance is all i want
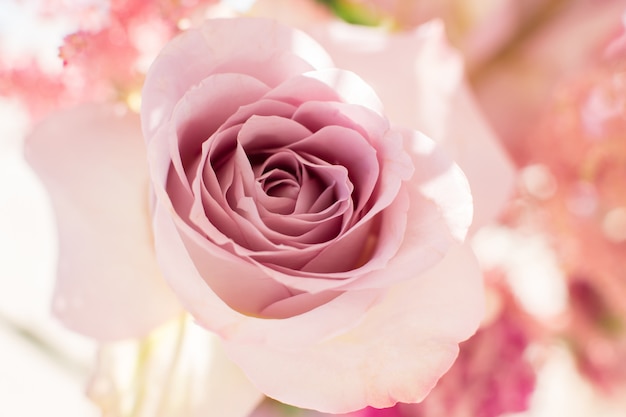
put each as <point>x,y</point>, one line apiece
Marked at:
<point>395,355</point>
<point>439,215</point>
<point>270,133</point>
<point>264,49</point>
<point>473,145</point>
<point>263,107</point>
<point>426,71</point>
<point>318,114</point>
<point>427,93</point>
<point>213,96</point>
<point>92,161</point>
<point>213,313</point>
<point>328,85</point>
<point>346,147</point>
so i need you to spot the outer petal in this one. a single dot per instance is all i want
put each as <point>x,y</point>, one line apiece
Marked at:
<point>91,159</point>
<point>264,49</point>
<point>345,311</point>
<point>473,145</point>
<point>438,218</point>
<point>396,354</point>
<point>427,93</point>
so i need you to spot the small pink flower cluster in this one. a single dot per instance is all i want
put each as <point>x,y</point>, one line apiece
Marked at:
<point>105,56</point>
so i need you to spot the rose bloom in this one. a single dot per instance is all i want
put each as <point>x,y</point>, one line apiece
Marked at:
<point>285,212</point>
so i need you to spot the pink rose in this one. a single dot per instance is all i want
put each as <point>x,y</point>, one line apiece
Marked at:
<point>289,216</point>
<point>281,192</point>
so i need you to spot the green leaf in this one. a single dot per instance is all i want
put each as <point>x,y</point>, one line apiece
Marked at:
<point>353,13</point>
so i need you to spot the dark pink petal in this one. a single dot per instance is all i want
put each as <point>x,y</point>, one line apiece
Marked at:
<point>201,112</point>
<point>439,215</point>
<point>371,243</point>
<point>342,146</point>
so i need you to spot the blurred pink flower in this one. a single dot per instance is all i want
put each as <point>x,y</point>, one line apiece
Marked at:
<point>596,335</point>
<point>516,87</point>
<point>105,57</point>
<point>579,202</point>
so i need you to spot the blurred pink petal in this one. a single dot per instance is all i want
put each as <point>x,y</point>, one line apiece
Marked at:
<point>91,159</point>
<point>531,71</point>
<point>178,370</point>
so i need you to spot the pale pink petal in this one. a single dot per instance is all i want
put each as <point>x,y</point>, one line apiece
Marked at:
<point>427,93</point>
<point>92,161</point>
<point>439,215</point>
<point>263,107</point>
<point>213,313</point>
<point>178,370</point>
<point>396,354</point>
<point>264,49</point>
<point>270,133</point>
<point>317,114</point>
<point>425,70</point>
<point>328,85</point>
<point>214,97</point>
<point>473,145</point>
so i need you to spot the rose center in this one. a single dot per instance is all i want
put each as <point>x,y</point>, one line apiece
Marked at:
<point>278,183</point>
<point>279,176</point>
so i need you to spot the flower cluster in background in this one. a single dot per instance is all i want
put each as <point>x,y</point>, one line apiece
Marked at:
<point>549,80</point>
<point>575,196</point>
